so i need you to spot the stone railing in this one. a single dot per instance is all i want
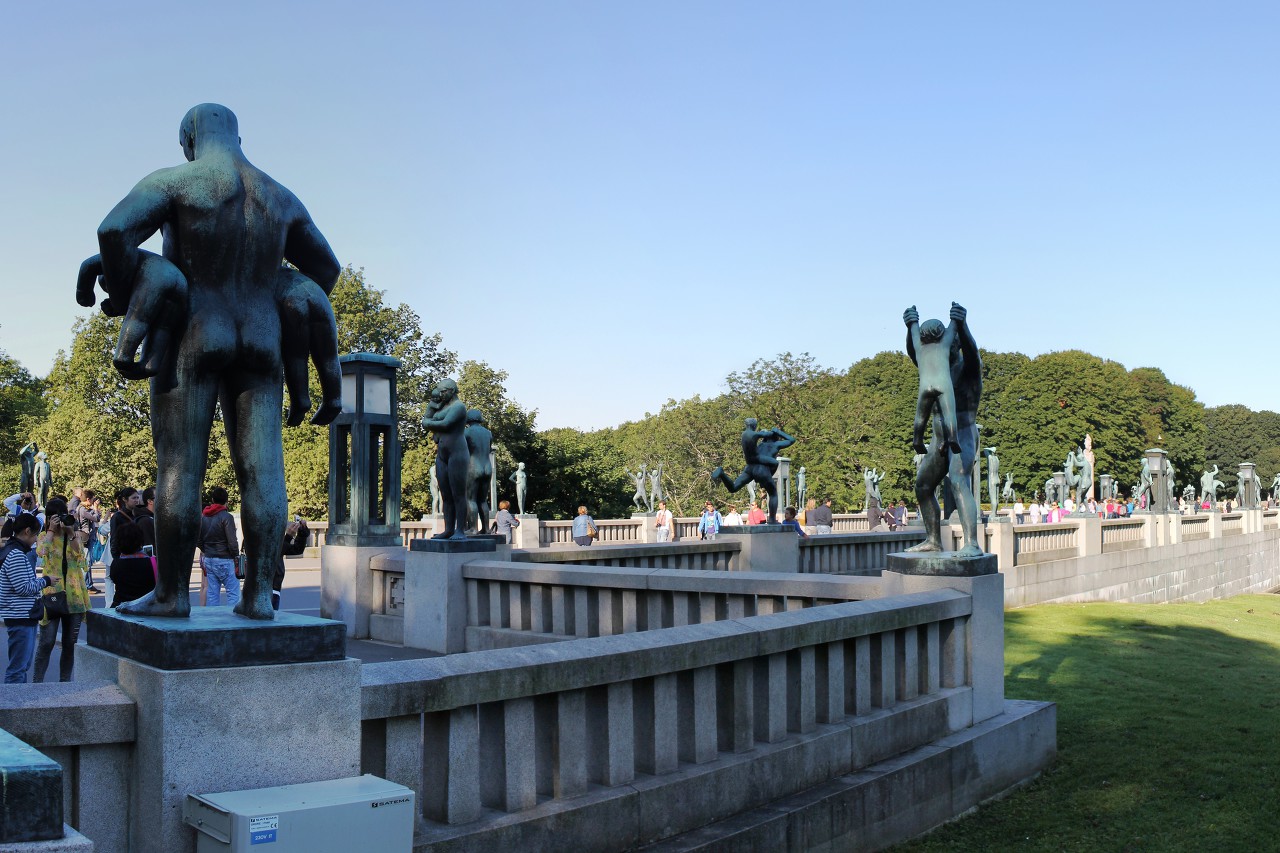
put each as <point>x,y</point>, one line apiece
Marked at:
<point>1232,524</point>
<point>500,746</point>
<point>1195,527</point>
<point>1035,543</point>
<point>518,604</point>
<point>609,530</point>
<point>1119,534</point>
<point>89,728</point>
<point>856,553</point>
<point>1271,518</point>
<point>695,554</point>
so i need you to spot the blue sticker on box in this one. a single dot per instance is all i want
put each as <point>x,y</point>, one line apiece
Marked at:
<point>262,830</point>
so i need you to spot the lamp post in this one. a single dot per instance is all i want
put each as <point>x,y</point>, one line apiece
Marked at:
<point>1159,498</point>
<point>364,455</point>
<point>783,480</point>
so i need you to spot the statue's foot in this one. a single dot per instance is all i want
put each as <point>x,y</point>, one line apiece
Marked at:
<point>458,536</point>
<point>255,607</point>
<point>298,408</point>
<point>131,369</point>
<point>718,473</point>
<point>919,447</point>
<point>178,606</point>
<point>328,410</point>
<point>970,550</point>
<point>448,534</point>
<point>924,547</point>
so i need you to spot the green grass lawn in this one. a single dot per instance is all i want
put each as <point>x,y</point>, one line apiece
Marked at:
<point>1168,730</point>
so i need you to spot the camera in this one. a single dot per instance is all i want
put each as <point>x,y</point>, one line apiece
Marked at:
<point>67,520</point>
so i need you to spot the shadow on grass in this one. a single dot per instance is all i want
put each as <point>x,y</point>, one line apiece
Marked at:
<point>1168,730</point>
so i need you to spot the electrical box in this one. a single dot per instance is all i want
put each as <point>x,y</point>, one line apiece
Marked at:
<point>363,813</point>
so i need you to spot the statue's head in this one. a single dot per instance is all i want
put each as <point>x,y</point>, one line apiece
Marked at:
<point>752,423</point>
<point>520,465</point>
<point>444,391</point>
<point>475,416</point>
<point>42,455</point>
<point>931,331</point>
<point>207,121</point>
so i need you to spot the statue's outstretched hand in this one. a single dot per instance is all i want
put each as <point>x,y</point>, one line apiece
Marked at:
<point>958,313</point>
<point>910,316</point>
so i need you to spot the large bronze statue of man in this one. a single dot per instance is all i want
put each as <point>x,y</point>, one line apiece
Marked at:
<point>760,451</point>
<point>950,388</point>
<point>228,228</point>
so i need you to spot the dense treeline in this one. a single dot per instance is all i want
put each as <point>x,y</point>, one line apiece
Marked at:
<point>95,426</point>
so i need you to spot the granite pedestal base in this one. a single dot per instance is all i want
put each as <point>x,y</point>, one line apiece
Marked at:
<point>31,789</point>
<point>765,547</point>
<point>435,599</point>
<point>228,729</point>
<point>942,564</point>
<point>216,637</point>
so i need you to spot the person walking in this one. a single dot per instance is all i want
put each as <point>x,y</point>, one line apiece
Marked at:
<point>755,515</point>
<point>61,553</point>
<point>584,528</point>
<point>20,590</point>
<point>733,518</point>
<point>88,516</point>
<point>710,522</point>
<point>664,523</point>
<point>218,549</point>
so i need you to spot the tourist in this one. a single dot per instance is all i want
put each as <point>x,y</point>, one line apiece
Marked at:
<point>899,512</point>
<point>133,573</point>
<point>710,522</point>
<point>128,502</point>
<point>755,515</point>
<point>20,503</point>
<point>218,549</point>
<point>664,523</point>
<point>504,522</point>
<point>61,554</point>
<point>1037,512</point>
<point>88,516</point>
<point>821,518</point>
<point>790,521</point>
<point>296,538</point>
<point>20,590</point>
<point>1019,510</point>
<point>733,518</point>
<point>145,516</point>
<point>584,527</point>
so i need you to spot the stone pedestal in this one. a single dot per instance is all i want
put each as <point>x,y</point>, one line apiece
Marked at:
<point>1090,535</point>
<point>225,728</point>
<point>1002,545</point>
<point>435,601</point>
<point>648,527</point>
<point>765,547</point>
<point>526,535</point>
<point>984,631</point>
<point>347,584</point>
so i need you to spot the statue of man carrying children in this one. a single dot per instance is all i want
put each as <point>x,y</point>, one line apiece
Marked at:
<point>218,317</point>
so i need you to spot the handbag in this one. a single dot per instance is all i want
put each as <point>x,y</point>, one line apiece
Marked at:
<point>240,564</point>
<point>592,532</point>
<point>55,605</point>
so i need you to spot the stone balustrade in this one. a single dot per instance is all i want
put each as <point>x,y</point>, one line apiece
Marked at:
<point>614,741</point>
<point>511,604</point>
<point>863,553</point>
<point>88,728</point>
<point>1120,534</point>
<point>694,554</point>
<point>1035,543</point>
<point>1232,524</point>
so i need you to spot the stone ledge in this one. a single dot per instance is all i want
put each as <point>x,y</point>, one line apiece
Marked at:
<point>470,545</point>
<point>215,637</point>
<point>73,713</point>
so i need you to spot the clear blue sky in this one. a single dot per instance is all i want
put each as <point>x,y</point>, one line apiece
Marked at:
<point>601,198</point>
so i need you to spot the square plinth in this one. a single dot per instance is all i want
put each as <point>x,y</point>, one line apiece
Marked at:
<point>942,564</point>
<point>216,637</point>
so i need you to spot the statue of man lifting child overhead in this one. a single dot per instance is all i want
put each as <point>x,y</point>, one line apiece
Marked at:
<point>218,318</point>
<point>950,387</point>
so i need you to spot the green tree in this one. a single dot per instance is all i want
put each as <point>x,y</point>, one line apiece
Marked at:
<point>21,406</point>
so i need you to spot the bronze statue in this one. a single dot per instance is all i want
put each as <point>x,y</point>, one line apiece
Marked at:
<point>950,388</point>
<point>479,471</point>
<point>521,479</point>
<point>993,479</point>
<point>27,456</point>
<point>43,478</point>
<point>228,228</point>
<point>447,418</point>
<point>760,450</point>
<point>640,499</point>
<point>1209,485</point>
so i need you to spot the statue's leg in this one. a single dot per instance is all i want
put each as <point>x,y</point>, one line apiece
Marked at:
<point>933,469</point>
<point>960,479</point>
<point>947,412</point>
<point>771,489</point>
<point>483,485</point>
<point>180,422</point>
<point>294,319</point>
<point>251,406</point>
<point>924,407</point>
<point>448,508</point>
<point>721,477</point>
<point>458,464</point>
<point>157,282</point>
<point>323,331</point>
